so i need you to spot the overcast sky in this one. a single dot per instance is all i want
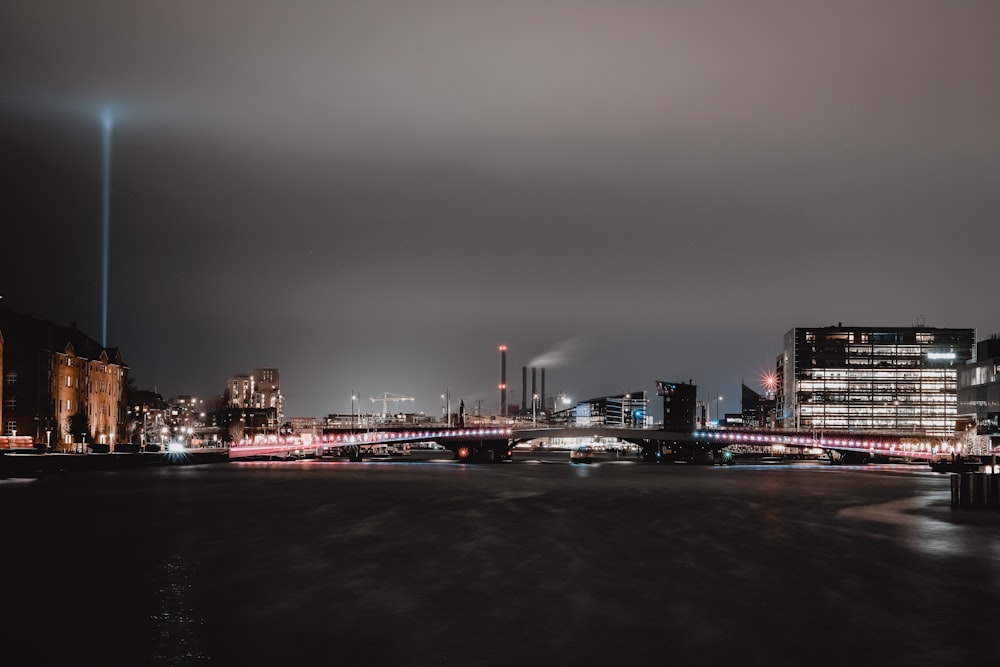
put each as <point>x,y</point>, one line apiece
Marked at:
<point>373,195</point>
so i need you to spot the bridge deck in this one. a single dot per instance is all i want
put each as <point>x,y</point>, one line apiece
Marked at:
<point>881,445</point>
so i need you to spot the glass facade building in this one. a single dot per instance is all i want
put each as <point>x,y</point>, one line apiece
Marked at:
<point>979,388</point>
<point>890,379</point>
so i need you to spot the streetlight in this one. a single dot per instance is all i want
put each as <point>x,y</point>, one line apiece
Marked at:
<point>534,402</point>
<point>354,397</point>
<point>718,410</point>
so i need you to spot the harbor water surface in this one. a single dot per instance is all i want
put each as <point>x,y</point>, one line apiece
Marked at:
<point>538,561</point>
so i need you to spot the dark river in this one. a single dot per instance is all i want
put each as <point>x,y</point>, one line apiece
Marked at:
<point>525,563</point>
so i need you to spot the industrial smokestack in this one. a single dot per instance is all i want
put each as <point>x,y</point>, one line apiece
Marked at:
<point>524,389</point>
<point>534,385</point>
<point>542,395</point>
<point>503,380</point>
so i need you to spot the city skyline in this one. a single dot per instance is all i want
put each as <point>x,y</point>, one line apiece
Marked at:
<point>374,198</point>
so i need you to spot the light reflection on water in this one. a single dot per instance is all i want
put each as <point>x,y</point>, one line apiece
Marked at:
<point>921,533</point>
<point>177,623</point>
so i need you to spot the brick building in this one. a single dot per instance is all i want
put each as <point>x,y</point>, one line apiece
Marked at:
<point>60,387</point>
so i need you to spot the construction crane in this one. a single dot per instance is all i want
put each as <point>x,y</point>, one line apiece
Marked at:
<point>385,398</point>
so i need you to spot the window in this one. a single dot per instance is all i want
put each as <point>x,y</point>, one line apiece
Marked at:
<point>10,378</point>
<point>69,381</point>
<point>9,403</point>
<point>11,428</point>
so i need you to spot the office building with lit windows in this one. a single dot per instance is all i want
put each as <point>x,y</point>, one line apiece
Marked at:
<point>891,379</point>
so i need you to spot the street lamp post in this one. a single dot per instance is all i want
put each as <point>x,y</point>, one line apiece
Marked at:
<point>534,403</point>
<point>354,397</point>
<point>718,410</point>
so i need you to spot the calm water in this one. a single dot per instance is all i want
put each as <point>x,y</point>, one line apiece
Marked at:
<point>438,563</point>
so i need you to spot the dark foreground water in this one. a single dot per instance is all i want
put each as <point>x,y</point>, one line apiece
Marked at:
<point>515,564</point>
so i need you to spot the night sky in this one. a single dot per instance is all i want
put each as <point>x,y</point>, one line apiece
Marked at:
<point>373,195</point>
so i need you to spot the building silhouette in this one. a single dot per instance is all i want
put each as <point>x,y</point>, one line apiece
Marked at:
<point>680,401</point>
<point>757,410</point>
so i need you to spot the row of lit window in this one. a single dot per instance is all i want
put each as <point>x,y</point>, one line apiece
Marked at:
<point>882,338</point>
<point>890,350</point>
<point>866,385</point>
<point>870,387</point>
<point>859,400</point>
<point>862,422</point>
<point>99,367</point>
<point>858,380</point>
<point>881,362</point>
<point>899,362</point>
<point>877,422</point>
<point>928,427</point>
<point>105,387</point>
<point>899,398</point>
<point>807,409</point>
<point>888,373</point>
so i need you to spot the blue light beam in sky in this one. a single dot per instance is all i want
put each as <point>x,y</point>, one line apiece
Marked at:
<point>106,121</point>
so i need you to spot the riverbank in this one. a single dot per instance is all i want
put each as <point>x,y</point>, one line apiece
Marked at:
<point>35,464</point>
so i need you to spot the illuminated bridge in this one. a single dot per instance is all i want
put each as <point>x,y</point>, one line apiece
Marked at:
<point>707,446</point>
<point>491,444</point>
<point>497,443</point>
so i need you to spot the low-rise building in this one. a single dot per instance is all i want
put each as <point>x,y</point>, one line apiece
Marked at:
<point>628,410</point>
